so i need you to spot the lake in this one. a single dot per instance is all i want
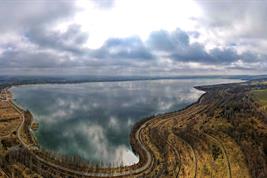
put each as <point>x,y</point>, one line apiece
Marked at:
<point>94,120</point>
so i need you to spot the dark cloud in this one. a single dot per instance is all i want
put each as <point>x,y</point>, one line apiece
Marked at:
<point>31,40</point>
<point>31,59</point>
<point>124,48</point>
<point>193,53</point>
<point>227,55</point>
<point>250,57</point>
<point>165,41</point>
<point>176,46</point>
<point>69,41</point>
<point>235,20</point>
<point>55,49</point>
<point>16,15</point>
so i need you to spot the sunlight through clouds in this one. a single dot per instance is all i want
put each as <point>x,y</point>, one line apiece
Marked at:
<point>139,17</point>
<point>133,37</point>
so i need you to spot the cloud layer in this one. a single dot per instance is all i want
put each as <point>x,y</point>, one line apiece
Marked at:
<point>232,41</point>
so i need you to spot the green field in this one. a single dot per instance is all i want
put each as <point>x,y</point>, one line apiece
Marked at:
<point>260,96</point>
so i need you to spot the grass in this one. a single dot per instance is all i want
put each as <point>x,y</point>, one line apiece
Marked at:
<point>260,96</point>
<point>259,82</point>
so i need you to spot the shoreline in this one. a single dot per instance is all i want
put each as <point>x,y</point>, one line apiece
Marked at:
<point>138,152</point>
<point>135,126</point>
<point>150,136</point>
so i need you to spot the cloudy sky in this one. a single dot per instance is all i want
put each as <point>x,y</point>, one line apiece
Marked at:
<point>133,37</point>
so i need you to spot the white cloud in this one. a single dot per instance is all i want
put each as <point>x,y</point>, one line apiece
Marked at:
<point>126,18</point>
<point>114,37</point>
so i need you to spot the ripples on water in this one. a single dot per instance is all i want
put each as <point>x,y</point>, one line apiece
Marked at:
<point>94,120</point>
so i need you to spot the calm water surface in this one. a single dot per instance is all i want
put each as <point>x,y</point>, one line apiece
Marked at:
<point>94,120</point>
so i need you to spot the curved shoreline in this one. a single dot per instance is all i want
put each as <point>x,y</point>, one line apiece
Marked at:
<point>129,142</point>
<point>143,163</point>
<point>138,148</point>
<point>166,143</point>
<point>145,157</point>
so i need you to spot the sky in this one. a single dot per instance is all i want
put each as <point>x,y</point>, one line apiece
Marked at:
<point>133,37</point>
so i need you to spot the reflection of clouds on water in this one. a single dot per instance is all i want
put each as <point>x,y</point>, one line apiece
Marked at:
<point>96,137</point>
<point>114,123</point>
<point>125,155</point>
<point>163,106</point>
<point>94,120</point>
<point>103,150</point>
<point>191,95</point>
<point>130,122</point>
